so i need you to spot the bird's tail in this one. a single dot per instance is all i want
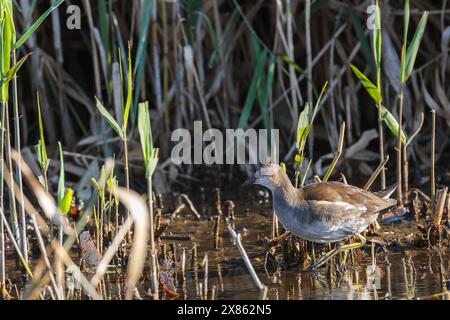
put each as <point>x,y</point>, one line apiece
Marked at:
<point>386,193</point>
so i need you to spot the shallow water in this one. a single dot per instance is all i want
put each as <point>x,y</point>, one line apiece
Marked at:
<point>399,274</point>
<point>408,274</point>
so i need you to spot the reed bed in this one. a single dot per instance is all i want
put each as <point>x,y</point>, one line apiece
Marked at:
<point>91,91</point>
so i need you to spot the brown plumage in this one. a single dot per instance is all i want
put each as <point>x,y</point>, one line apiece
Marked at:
<point>321,212</point>
<point>340,192</point>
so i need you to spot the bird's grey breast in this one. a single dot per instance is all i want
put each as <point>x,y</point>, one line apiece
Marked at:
<point>321,221</point>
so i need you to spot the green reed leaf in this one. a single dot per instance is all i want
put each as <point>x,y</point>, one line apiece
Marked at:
<point>303,122</point>
<point>64,195</point>
<point>406,15</point>
<point>392,123</point>
<point>141,56</point>
<point>126,112</point>
<point>36,24</point>
<point>371,89</point>
<point>15,68</point>
<point>62,179</point>
<point>377,37</point>
<point>413,48</point>
<point>41,150</point>
<point>113,123</point>
<point>145,131</point>
<point>64,206</point>
<point>7,39</point>
<point>250,99</point>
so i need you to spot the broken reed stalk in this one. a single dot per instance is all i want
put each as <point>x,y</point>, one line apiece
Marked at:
<point>230,211</point>
<point>194,267</point>
<point>433,155</point>
<point>218,201</point>
<point>205,280</point>
<point>183,264</point>
<point>439,210</point>
<point>376,173</point>
<point>217,232</point>
<point>405,164</point>
<point>405,173</point>
<point>189,203</point>
<point>237,239</point>
<point>338,153</point>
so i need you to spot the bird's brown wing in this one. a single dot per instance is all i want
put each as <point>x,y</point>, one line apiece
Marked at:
<point>339,192</point>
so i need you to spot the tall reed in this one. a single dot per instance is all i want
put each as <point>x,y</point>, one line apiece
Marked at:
<point>408,57</point>
<point>150,159</point>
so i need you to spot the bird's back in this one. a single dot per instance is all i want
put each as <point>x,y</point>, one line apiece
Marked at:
<point>340,192</point>
<point>330,211</point>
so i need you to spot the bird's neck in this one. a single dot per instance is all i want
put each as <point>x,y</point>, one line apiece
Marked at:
<point>285,193</point>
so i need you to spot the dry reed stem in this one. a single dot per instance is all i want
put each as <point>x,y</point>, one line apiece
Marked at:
<point>376,173</point>
<point>138,209</point>
<point>111,251</point>
<point>38,224</point>
<point>248,264</point>
<point>439,209</point>
<point>49,207</point>
<point>433,157</point>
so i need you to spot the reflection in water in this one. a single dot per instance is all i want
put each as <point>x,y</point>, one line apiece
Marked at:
<point>201,271</point>
<point>373,274</point>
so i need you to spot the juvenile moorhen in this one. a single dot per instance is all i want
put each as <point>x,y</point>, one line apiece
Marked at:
<point>322,212</point>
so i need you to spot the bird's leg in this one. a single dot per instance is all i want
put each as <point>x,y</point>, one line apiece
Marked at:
<point>323,259</point>
<point>273,242</point>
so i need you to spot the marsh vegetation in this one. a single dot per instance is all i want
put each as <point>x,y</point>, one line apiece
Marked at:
<point>92,206</point>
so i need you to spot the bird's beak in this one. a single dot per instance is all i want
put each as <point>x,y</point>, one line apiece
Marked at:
<point>249,181</point>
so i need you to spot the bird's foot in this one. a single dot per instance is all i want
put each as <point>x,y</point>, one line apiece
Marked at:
<point>326,257</point>
<point>317,263</point>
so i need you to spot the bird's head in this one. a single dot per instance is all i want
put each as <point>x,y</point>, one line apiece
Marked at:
<point>270,176</point>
